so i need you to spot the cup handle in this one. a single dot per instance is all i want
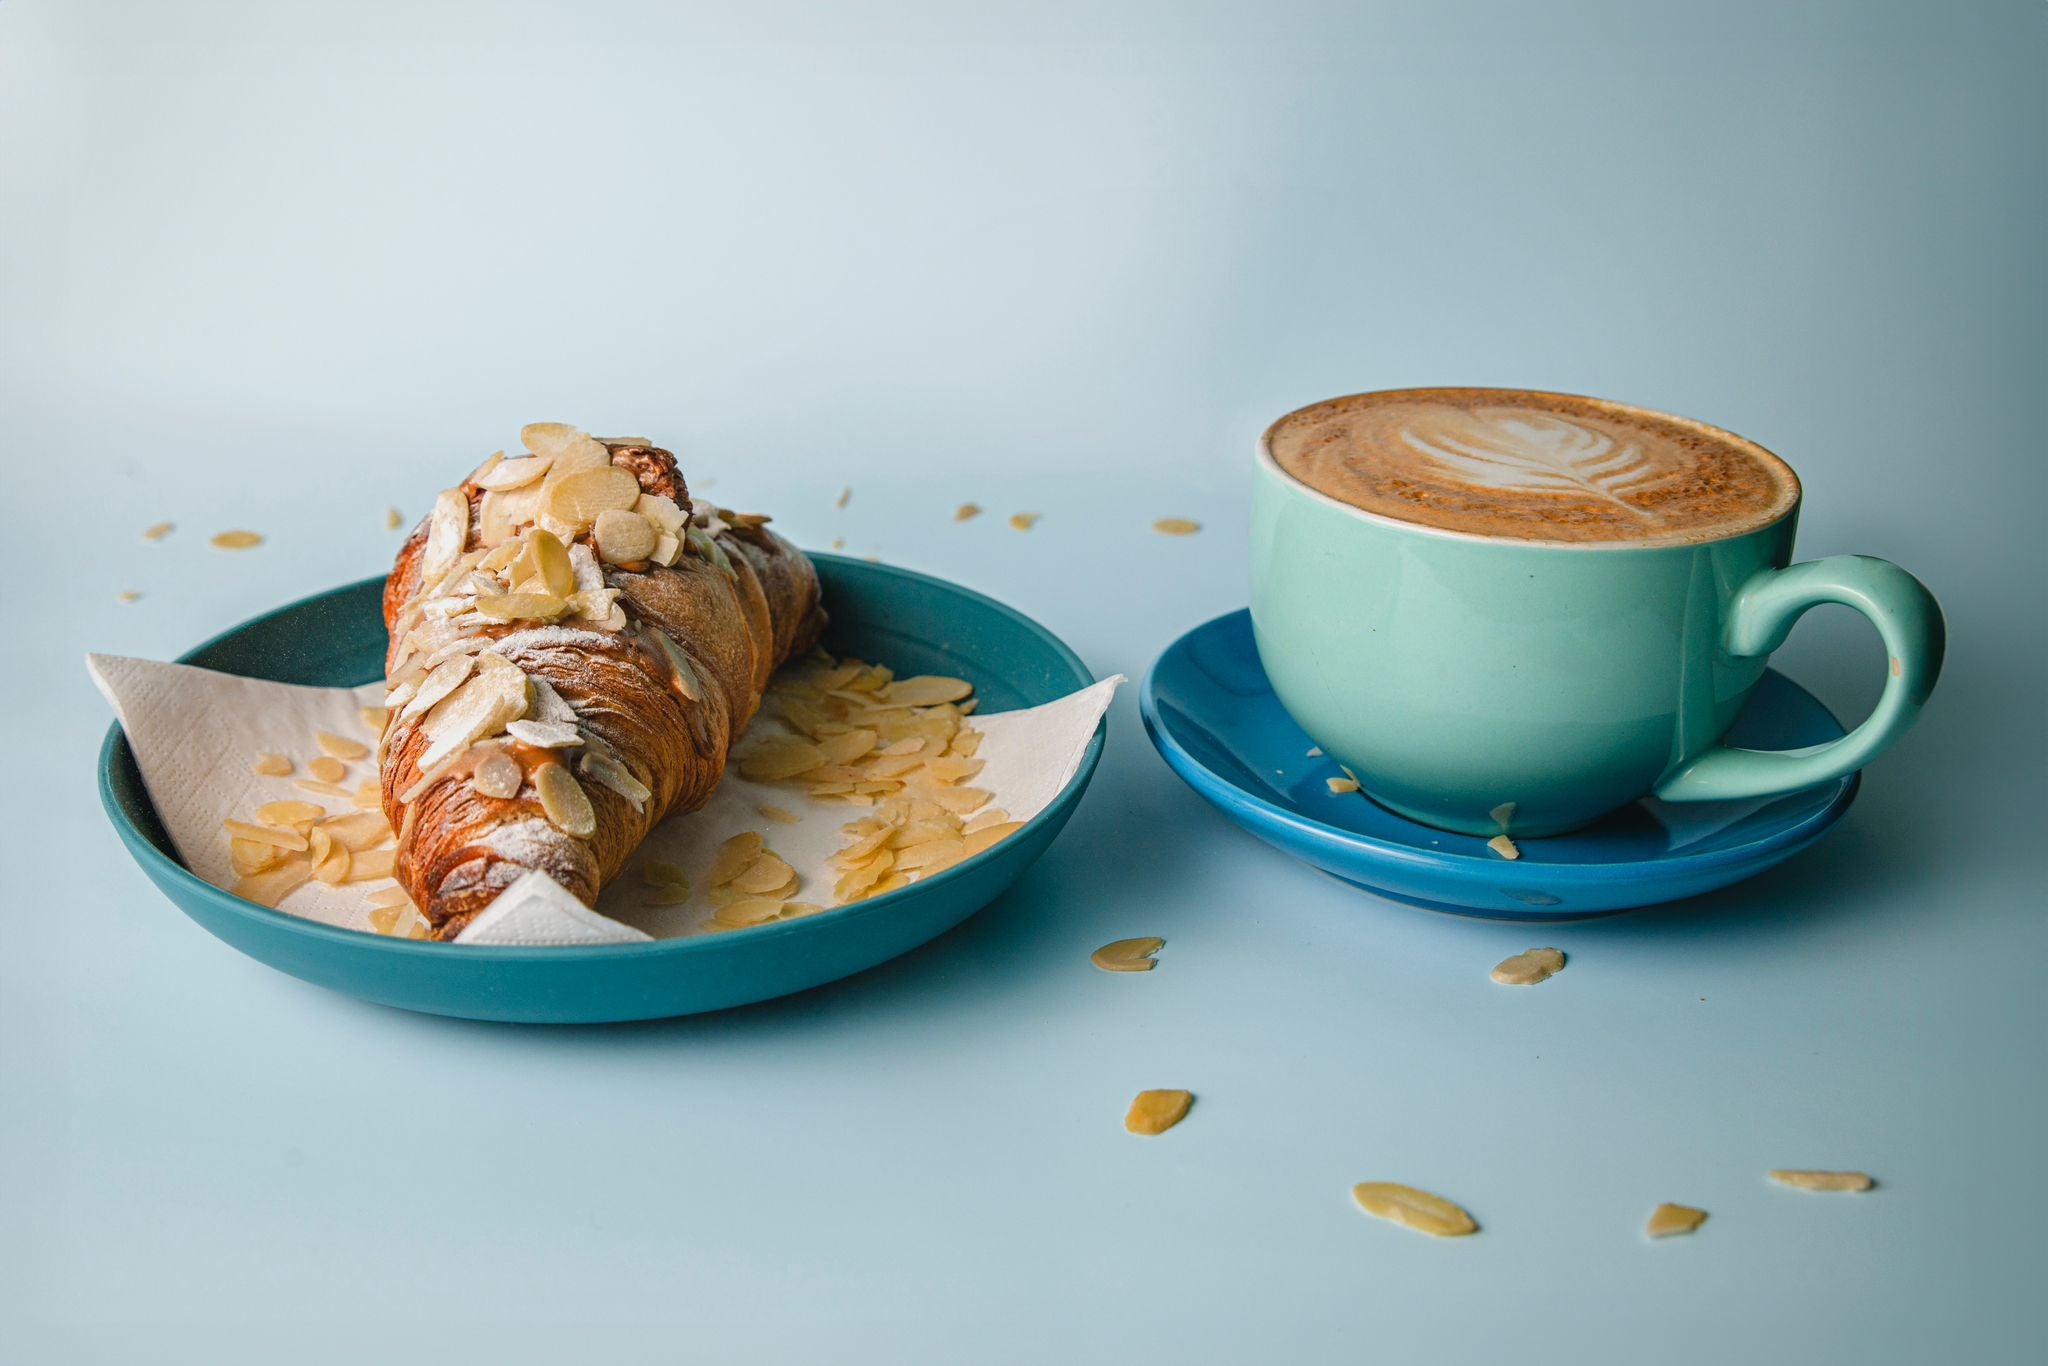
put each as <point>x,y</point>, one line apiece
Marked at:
<point>1761,616</point>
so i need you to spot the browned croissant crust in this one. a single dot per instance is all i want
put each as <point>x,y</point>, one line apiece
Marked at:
<point>605,657</point>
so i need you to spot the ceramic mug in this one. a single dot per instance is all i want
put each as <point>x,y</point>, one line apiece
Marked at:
<point>1489,685</point>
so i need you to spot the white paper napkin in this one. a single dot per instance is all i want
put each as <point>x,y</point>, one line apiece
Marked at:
<point>196,734</point>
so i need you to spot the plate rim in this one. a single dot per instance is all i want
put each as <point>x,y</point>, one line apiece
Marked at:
<point>1223,791</point>
<point>158,865</point>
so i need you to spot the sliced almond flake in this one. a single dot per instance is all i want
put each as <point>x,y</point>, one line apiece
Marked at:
<point>1528,967</point>
<point>734,857</point>
<point>548,438</point>
<point>372,864</point>
<point>926,690</point>
<point>861,847</point>
<point>1128,955</point>
<point>763,875</point>
<point>547,557</point>
<point>393,520</point>
<point>605,768</point>
<point>158,531</point>
<point>845,497</point>
<point>388,896</point>
<point>263,834</point>
<point>656,873</point>
<point>662,511</point>
<point>1668,1220</point>
<point>515,473</point>
<point>1024,521</point>
<point>501,515</point>
<point>1154,1112</point>
<point>910,745</point>
<point>991,835</point>
<point>797,910</point>
<point>323,789</point>
<point>447,535</point>
<point>1822,1181</point>
<point>667,549</point>
<point>273,885</point>
<point>384,919</point>
<point>966,512</point>
<point>686,680</point>
<point>129,595</point>
<point>237,540</point>
<point>252,856</point>
<point>960,800</point>
<point>496,694</point>
<point>548,705</point>
<point>357,831</point>
<point>847,747</point>
<point>333,868</point>
<point>932,855</point>
<point>1340,786</point>
<point>289,813</point>
<point>567,806</point>
<point>966,742</point>
<point>498,775</point>
<point>545,734</point>
<point>753,911</point>
<point>1505,847</point>
<point>1502,815</point>
<point>445,678</point>
<point>778,815</point>
<point>982,820</point>
<point>952,769</point>
<point>1412,1208</point>
<point>272,766</point>
<point>490,462</point>
<point>370,796</point>
<point>327,769</point>
<point>780,758</point>
<point>1315,751</point>
<point>1176,526</point>
<point>374,719</point>
<point>577,500</point>
<point>623,536</point>
<point>523,607</point>
<point>643,442</point>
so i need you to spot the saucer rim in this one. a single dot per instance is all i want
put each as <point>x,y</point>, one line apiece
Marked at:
<point>1235,799</point>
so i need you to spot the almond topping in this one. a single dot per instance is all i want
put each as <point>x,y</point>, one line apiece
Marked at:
<point>447,535</point>
<point>273,766</point>
<point>568,808</point>
<point>623,537</point>
<point>498,775</point>
<point>545,734</point>
<point>237,540</point>
<point>781,758</point>
<point>926,690</point>
<point>523,607</point>
<point>578,499</point>
<point>515,473</point>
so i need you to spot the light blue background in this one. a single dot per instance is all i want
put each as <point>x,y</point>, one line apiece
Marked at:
<point>277,266</point>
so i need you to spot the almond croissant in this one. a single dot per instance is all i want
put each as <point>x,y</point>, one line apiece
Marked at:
<point>575,646</point>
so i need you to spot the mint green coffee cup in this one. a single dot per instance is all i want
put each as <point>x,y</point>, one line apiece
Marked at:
<point>1519,650</point>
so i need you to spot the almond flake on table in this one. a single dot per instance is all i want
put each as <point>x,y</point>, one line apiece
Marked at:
<point>1529,967</point>
<point>130,595</point>
<point>1412,1208</point>
<point>1668,1220</point>
<point>1154,1112</point>
<point>1176,526</point>
<point>845,497</point>
<point>158,531</point>
<point>966,512</point>
<point>1341,785</point>
<point>1024,521</point>
<point>1505,847</point>
<point>237,540</point>
<point>1822,1180</point>
<point>1128,955</point>
<point>392,519</point>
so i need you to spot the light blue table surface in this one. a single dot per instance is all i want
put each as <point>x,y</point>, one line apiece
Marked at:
<point>278,266</point>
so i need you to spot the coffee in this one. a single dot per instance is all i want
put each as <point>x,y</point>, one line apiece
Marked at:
<point>1529,466</point>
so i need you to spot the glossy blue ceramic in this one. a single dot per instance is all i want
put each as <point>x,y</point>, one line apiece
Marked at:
<point>1211,711</point>
<point>912,622</point>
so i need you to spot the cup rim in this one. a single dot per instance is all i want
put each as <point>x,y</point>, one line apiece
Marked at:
<point>1265,459</point>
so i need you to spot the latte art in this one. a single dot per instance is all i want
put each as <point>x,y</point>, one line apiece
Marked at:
<point>1533,466</point>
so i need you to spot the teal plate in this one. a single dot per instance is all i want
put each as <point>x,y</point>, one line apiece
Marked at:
<point>912,622</point>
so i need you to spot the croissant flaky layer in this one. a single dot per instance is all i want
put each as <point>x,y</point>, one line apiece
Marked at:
<point>574,653</point>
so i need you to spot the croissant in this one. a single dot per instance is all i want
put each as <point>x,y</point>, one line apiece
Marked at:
<point>575,647</point>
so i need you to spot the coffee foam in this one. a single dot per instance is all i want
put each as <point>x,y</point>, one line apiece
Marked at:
<point>1523,465</point>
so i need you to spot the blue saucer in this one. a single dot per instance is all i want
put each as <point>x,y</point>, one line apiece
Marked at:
<point>1210,710</point>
